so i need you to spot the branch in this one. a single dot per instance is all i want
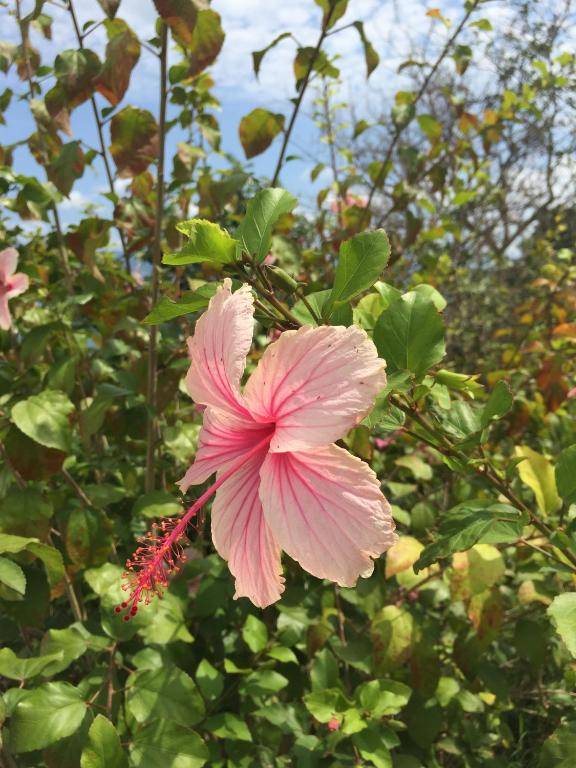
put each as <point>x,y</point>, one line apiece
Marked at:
<point>99,124</point>
<point>152,426</point>
<point>287,134</point>
<point>400,129</point>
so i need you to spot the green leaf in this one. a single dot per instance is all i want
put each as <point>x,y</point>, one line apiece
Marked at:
<point>361,262</point>
<point>409,335</point>
<point>562,611</point>
<point>538,474</point>
<point>255,634</point>
<point>88,536</point>
<point>559,749</point>
<point>335,8</point>
<point>258,129</point>
<point>382,698</point>
<point>228,726</point>
<point>466,525</point>
<point>12,576</point>
<point>157,504</point>
<point>166,309</point>
<point>263,682</point>
<point>207,40</point>
<point>15,668</point>
<point>262,213</point>
<point>67,645</point>
<point>324,703</point>
<point>314,60</point>
<point>430,126</point>
<point>257,56</point>
<point>210,681</point>
<point>207,242</point>
<point>50,556</point>
<point>103,749</point>
<point>49,713</point>
<point>167,693</point>
<point>122,54</point>
<point>498,404</point>
<point>370,56</point>
<point>164,744</point>
<point>341,315</point>
<point>109,7</point>
<point>66,167</point>
<point>134,135</point>
<point>565,474</point>
<point>393,637</point>
<point>44,418</point>
<point>371,746</point>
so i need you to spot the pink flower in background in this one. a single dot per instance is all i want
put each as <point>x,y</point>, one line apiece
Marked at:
<point>281,482</point>
<point>11,284</point>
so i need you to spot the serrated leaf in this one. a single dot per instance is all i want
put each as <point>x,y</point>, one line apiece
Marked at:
<point>164,744</point>
<point>103,749</point>
<point>207,242</point>
<point>167,693</point>
<point>49,713</point>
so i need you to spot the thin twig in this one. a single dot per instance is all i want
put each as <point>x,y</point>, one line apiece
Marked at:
<point>303,87</point>
<point>400,128</point>
<point>103,153</point>
<point>152,425</point>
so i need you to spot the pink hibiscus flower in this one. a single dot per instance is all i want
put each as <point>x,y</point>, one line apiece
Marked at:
<point>10,284</point>
<point>282,483</point>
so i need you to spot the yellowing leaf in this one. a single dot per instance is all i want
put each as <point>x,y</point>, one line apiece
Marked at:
<point>402,555</point>
<point>538,474</point>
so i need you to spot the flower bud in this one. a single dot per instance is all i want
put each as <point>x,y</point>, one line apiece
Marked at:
<point>281,279</point>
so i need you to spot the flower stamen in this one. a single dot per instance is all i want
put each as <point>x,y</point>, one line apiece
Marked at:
<point>161,552</point>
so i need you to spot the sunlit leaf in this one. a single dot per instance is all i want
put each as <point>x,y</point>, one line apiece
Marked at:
<point>258,129</point>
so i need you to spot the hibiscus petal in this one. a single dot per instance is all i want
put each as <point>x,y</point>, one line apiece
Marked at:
<point>17,284</point>
<point>8,262</point>
<point>315,384</point>
<point>242,536</point>
<point>5,317</point>
<point>223,438</point>
<point>218,349</point>
<point>327,512</point>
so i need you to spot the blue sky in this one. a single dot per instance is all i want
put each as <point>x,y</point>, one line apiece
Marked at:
<point>392,25</point>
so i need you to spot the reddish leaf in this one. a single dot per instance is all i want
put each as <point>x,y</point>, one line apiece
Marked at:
<point>67,167</point>
<point>258,129</point>
<point>552,383</point>
<point>207,40</point>
<point>180,15</point>
<point>134,145</point>
<point>122,54</point>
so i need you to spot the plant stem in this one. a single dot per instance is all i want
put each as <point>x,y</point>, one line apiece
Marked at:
<point>59,236</point>
<point>400,129</point>
<point>152,425</point>
<point>102,152</point>
<point>487,471</point>
<point>298,103</point>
